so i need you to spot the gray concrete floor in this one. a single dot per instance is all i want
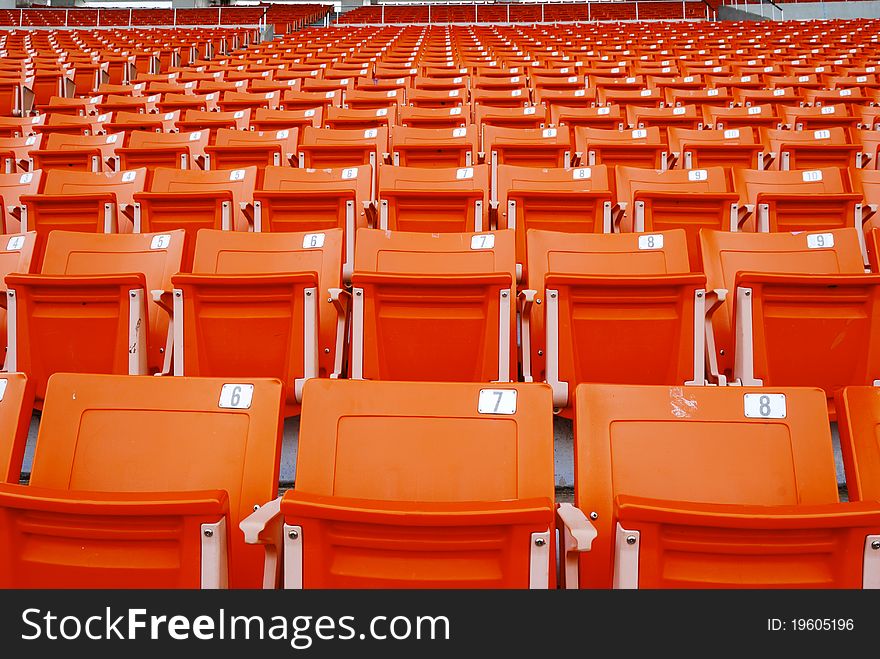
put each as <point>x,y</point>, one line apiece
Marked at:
<point>563,456</point>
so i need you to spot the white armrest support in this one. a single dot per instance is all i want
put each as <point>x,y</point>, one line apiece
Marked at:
<point>264,526</point>
<point>577,534</point>
<point>525,313</point>
<point>579,530</point>
<point>714,299</point>
<point>340,299</point>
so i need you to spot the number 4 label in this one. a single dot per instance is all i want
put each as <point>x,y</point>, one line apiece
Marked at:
<point>764,406</point>
<point>236,396</point>
<point>497,401</point>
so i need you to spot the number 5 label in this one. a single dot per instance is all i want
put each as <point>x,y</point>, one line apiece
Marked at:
<point>497,401</point>
<point>764,406</point>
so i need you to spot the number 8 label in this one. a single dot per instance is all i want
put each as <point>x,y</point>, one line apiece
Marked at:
<point>764,406</point>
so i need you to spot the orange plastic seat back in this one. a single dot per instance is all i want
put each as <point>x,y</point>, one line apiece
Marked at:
<point>779,319</point>
<point>152,150</point>
<point>128,470</point>
<point>90,310</point>
<point>725,254</point>
<point>422,485</point>
<point>691,199</point>
<point>15,151</point>
<point>641,147</point>
<point>572,200</point>
<point>16,256</point>
<point>12,187</point>
<point>264,119</point>
<point>351,119</point>
<point>434,147</point>
<point>686,116</point>
<point>193,200</point>
<point>753,116</point>
<point>433,307</point>
<point>211,120</point>
<point>296,199</point>
<point>435,200</point>
<point>800,200</point>
<point>16,407</point>
<point>734,147</point>
<point>85,153</point>
<point>606,117</point>
<point>616,308</point>
<point>433,118</point>
<point>716,486</point>
<point>829,112</point>
<point>858,418</point>
<point>543,147</point>
<point>810,149</point>
<point>91,202</point>
<point>342,147</point>
<point>519,117</point>
<point>260,304</point>
<point>236,149</point>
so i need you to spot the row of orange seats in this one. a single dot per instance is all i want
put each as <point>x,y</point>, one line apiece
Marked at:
<point>434,485</point>
<point>595,199</point>
<point>591,308</point>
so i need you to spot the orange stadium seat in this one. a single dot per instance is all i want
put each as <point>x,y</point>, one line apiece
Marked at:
<point>522,117</point>
<point>16,256</point>
<point>616,308</point>
<point>433,306</point>
<point>14,152</point>
<point>362,120</point>
<point>434,147</point>
<point>153,150</point>
<point>767,318</point>
<point>535,147</point>
<point>571,200</point>
<point>12,187</point>
<point>158,510</point>
<point>858,416</point>
<point>101,282</point>
<point>691,199</point>
<point>235,149</point>
<point>808,149</point>
<point>338,147</point>
<point>409,524</point>
<point>16,406</point>
<point>801,200</point>
<point>85,153</point>
<point>712,487</point>
<point>262,305</point>
<point>81,201</point>
<point>268,120</point>
<point>194,120</point>
<point>642,147</point>
<point>734,147</point>
<point>193,200</point>
<point>309,200</point>
<point>434,200</point>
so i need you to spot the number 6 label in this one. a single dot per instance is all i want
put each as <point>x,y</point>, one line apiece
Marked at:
<point>236,396</point>
<point>497,401</point>
<point>764,406</point>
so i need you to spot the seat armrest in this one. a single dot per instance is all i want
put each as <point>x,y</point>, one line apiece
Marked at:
<point>264,526</point>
